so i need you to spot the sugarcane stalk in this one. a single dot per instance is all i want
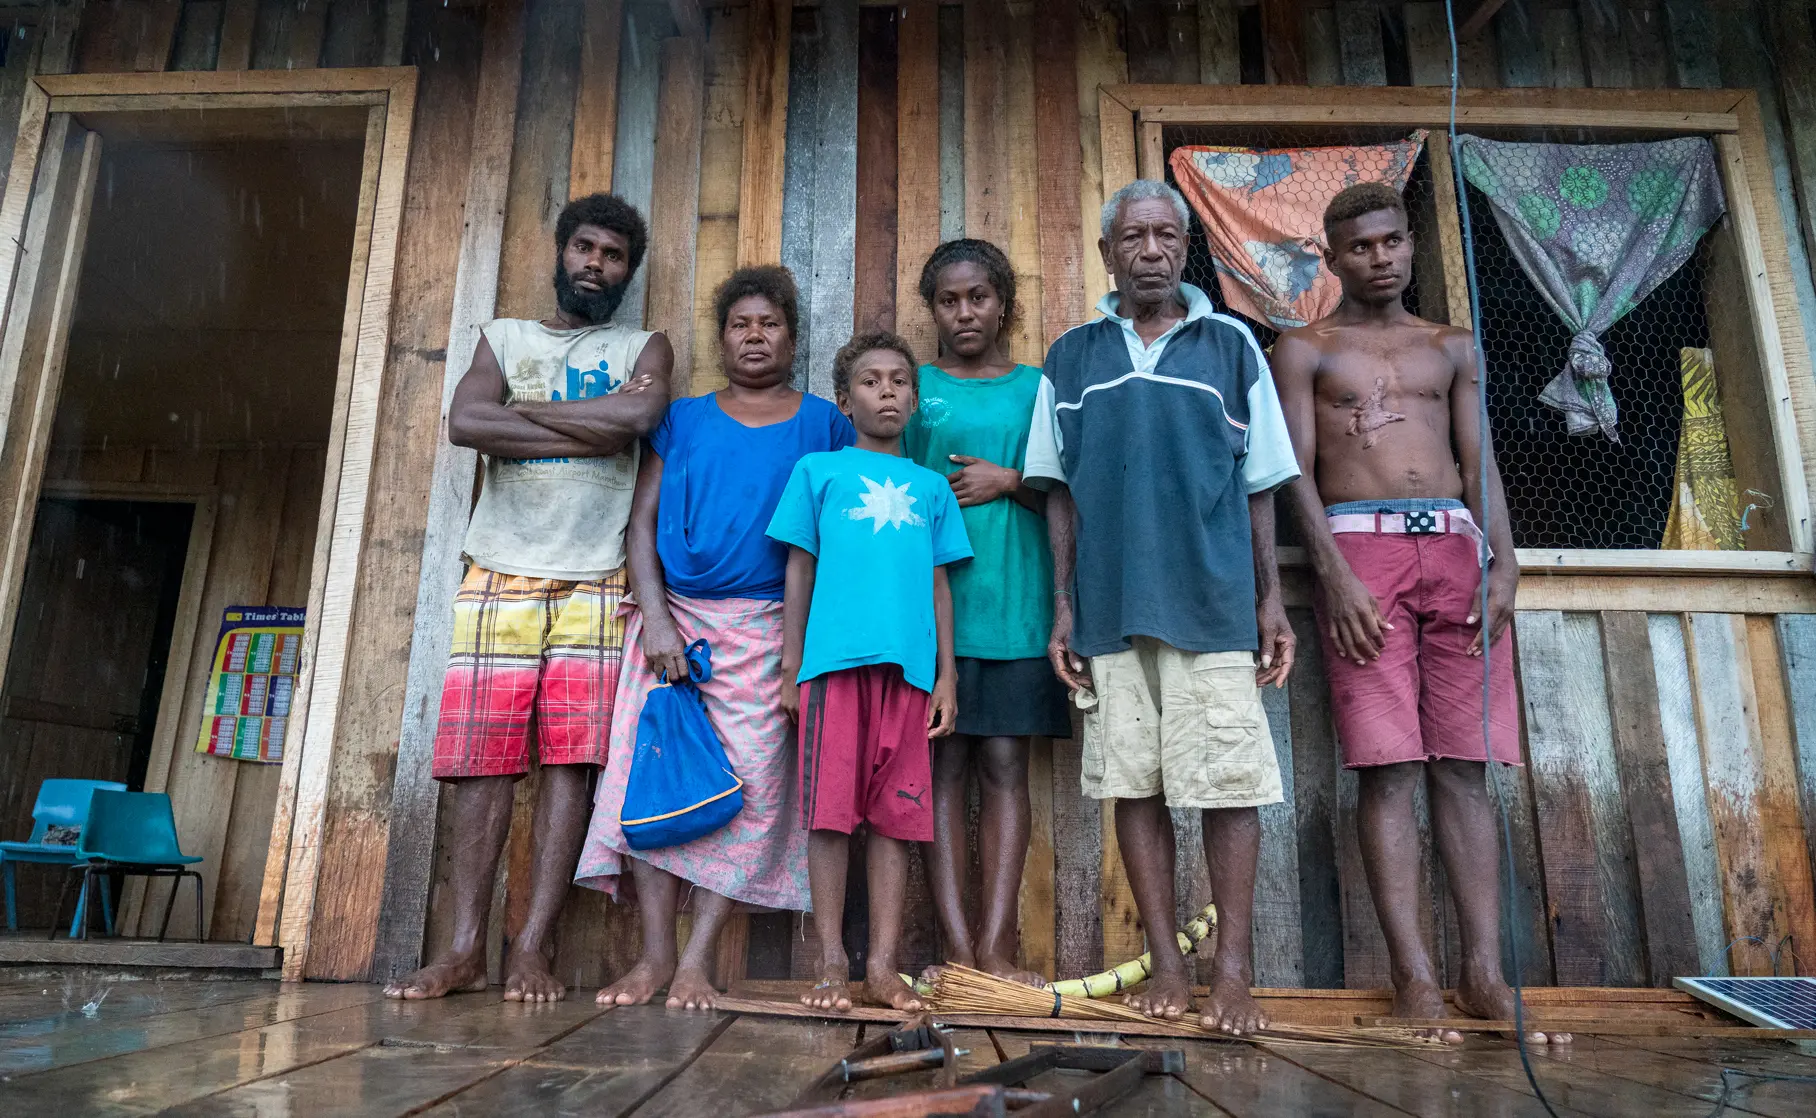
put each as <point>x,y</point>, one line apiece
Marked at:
<point>1119,978</point>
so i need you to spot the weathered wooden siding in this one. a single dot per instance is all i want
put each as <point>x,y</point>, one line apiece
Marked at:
<point>1672,769</point>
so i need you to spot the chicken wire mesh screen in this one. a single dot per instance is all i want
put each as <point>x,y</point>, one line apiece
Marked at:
<point>1564,491</point>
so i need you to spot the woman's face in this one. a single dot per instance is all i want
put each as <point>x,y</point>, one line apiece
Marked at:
<point>967,309</point>
<point>756,348</point>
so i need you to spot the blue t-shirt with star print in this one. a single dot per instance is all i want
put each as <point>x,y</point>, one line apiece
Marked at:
<point>878,524</point>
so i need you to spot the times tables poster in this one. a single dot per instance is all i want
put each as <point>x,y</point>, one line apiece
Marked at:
<point>251,683</point>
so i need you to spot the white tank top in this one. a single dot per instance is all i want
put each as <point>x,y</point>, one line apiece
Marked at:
<point>561,518</point>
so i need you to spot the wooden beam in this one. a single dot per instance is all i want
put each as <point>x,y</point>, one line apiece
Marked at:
<point>873,292</point>
<point>765,132</point>
<point>675,202</point>
<point>1359,44</point>
<point>917,144</point>
<point>363,817</point>
<point>1023,245</point>
<point>1435,116</point>
<point>37,338</point>
<point>158,34</point>
<point>1787,855</point>
<point>1689,796</point>
<point>297,84</point>
<point>1737,184</point>
<point>720,212</point>
<point>410,844</point>
<point>1100,64</point>
<point>1478,18</point>
<point>1061,169</point>
<point>341,532</point>
<point>986,106</point>
<point>1219,43</point>
<point>237,22</point>
<point>834,198</point>
<point>1606,108</point>
<point>1645,780</point>
<point>1692,41</point>
<point>1283,34</point>
<point>1794,48</point>
<point>690,22</point>
<point>596,99</point>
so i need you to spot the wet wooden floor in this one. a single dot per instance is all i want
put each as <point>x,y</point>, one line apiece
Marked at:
<point>257,1048</point>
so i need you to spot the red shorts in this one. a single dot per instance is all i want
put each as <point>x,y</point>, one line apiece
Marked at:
<point>865,757</point>
<point>1423,698</point>
<point>529,644</point>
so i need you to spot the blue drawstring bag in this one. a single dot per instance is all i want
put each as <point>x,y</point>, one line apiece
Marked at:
<point>681,784</point>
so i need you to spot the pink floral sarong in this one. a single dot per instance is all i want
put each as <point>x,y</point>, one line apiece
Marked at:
<point>760,857</point>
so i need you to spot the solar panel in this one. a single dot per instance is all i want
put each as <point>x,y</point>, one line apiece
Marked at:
<point>1772,1003</point>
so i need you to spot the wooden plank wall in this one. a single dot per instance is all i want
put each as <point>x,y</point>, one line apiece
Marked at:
<point>1670,801</point>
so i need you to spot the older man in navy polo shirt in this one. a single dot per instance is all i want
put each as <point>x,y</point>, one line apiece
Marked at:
<point>1159,435</point>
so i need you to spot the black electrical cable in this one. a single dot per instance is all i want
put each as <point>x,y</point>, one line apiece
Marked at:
<point>1494,781</point>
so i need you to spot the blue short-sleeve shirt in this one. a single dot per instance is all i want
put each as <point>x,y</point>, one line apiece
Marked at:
<point>720,484</point>
<point>1161,445</point>
<point>877,524</point>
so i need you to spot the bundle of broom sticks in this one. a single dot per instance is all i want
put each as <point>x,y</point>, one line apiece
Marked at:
<point>960,989</point>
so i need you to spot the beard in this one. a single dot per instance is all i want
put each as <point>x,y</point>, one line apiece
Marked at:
<point>594,306</point>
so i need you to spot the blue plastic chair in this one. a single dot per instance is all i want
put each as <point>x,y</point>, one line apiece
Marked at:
<point>135,834</point>
<point>61,803</point>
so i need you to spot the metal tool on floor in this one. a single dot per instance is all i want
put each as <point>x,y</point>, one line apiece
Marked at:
<point>989,1093</point>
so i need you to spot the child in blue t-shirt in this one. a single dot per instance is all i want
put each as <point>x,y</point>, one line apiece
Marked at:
<point>867,636</point>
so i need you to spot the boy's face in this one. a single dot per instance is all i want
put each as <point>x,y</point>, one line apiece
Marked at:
<point>882,395</point>
<point>1371,256</point>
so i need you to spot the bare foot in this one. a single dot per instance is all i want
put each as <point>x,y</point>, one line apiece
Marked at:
<point>1167,996</point>
<point>833,991</point>
<point>462,975</point>
<point>691,989</point>
<point>1423,1001</point>
<point>1231,1009</point>
<point>1006,968</point>
<point>527,979</point>
<point>885,987</point>
<point>1492,1000</point>
<point>640,985</point>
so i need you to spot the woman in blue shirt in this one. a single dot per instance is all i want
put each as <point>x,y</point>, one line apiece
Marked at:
<point>701,566</point>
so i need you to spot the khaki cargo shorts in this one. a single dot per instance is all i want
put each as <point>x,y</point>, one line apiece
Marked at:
<point>1188,724</point>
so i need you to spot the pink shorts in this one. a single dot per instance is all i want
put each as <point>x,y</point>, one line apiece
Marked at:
<point>1422,699</point>
<point>865,757</point>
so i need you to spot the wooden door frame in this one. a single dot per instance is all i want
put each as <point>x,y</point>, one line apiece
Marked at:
<point>389,93</point>
<point>1131,118</point>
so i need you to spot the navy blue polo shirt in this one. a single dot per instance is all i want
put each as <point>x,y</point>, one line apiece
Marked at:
<point>1161,446</point>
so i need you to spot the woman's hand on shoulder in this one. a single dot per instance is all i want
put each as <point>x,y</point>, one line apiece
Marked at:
<point>663,648</point>
<point>977,482</point>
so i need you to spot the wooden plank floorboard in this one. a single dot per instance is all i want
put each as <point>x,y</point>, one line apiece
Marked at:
<point>414,1070</point>
<point>1689,1077</point>
<point>1580,1087</point>
<point>1414,1086</point>
<point>757,1065</point>
<point>75,1038</point>
<point>1248,1081</point>
<point>34,1002</point>
<point>149,1081</point>
<point>602,1069</point>
<point>1770,1056</point>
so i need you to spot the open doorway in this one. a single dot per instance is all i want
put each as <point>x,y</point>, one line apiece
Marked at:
<point>204,358</point>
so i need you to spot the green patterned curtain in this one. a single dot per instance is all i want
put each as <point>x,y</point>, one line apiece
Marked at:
<point>1595,227</point>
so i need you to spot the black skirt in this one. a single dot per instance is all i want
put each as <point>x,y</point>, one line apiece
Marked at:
<point>1011,698</point>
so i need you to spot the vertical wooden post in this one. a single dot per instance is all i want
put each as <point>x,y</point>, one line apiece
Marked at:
<point>410,845</point>
<point>917,143</point>
<point>596,101</point>
<point>675,202</point>
<point>765,133</point>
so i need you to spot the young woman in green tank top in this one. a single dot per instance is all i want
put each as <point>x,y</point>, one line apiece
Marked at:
<point>973,427</point>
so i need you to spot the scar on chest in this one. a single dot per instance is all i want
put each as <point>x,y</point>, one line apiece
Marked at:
<point>1368,417</point>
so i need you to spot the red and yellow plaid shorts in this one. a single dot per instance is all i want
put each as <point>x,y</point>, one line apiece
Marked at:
<point>523,644</point>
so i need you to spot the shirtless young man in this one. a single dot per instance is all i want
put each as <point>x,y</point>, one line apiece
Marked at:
<point>1383,407</point>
